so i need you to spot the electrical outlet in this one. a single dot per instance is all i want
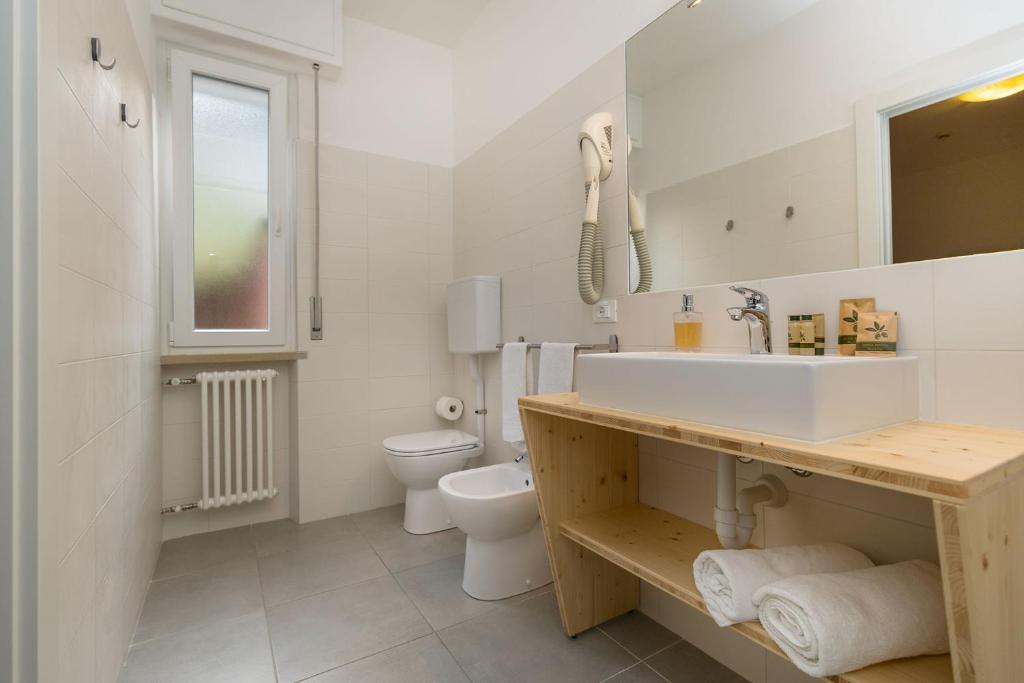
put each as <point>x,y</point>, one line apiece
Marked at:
<point>606,311</point>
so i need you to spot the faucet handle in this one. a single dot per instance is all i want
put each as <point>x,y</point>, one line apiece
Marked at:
<point>752,296</point>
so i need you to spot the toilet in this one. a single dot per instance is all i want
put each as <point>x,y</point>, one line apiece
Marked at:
<point>496,506</point>
<point>418,461</point>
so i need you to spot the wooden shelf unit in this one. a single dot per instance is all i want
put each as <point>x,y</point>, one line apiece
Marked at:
<point>602,542</point>
<point>660,548</point>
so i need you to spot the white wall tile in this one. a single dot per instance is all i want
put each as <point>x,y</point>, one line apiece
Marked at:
<point>980,387</point>
<point>972,309</point>
<point>386,171</point>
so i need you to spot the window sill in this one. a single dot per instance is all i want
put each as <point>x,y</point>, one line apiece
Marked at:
<point>222,358</point>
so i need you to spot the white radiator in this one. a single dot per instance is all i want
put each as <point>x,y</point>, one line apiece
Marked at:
<point>238,437</point>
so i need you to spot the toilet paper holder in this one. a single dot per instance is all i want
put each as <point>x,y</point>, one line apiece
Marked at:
<point>449,407</point>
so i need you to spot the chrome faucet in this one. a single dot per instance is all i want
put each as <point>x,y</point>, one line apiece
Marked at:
<point>756,314</point>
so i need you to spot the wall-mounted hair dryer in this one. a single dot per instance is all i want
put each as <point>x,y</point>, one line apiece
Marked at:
<point>639,237</point>
<point>595,140</point>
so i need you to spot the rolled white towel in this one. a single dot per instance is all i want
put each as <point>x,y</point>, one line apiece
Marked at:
<point>728,578</point>
<point>829,624</point>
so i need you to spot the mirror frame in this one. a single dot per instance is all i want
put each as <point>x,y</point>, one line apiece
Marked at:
<point>990,59</point>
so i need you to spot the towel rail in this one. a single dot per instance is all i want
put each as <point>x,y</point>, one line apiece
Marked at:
<point>611,347</point>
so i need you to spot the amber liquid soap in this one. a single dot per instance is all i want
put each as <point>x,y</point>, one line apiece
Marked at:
<point>688,325</point>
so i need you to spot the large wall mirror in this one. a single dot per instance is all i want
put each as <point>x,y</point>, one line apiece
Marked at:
<point>798,136</point>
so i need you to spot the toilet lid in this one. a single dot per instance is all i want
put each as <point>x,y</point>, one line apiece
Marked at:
<point>430,443</point>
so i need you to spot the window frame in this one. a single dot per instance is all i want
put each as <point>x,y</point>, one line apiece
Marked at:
<point>182,330</point>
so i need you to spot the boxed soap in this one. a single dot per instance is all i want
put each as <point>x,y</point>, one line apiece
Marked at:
<point>819,334</point>
<point>877,333</point>
<point>850,311</point>
<point>806,335</point>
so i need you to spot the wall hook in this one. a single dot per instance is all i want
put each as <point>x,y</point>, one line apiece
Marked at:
<point>789,212</point>
<point>97,54</point>
<point>124,117</point>
<point>729,225</point>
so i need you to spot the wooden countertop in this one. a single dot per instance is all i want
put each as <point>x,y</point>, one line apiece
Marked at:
<point>939,461</point>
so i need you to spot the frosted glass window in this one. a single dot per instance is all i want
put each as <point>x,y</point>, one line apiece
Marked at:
<point>230,204</point>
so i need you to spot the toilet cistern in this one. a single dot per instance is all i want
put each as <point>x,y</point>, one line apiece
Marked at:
<point>757,317</point>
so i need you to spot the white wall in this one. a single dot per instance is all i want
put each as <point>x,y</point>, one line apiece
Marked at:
<point>518,52</point>
<point>99,401</point>
<point>385,257</point>
<point>392,97</point>
<point>142,26</point>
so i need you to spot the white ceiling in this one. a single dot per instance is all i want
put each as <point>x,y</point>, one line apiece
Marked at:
<point>439,21</point>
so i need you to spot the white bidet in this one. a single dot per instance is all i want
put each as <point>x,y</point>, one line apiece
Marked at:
<point>496,506</point>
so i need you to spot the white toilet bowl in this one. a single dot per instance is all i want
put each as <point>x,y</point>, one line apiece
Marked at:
<point>418,461</point>
<point>497,508</point>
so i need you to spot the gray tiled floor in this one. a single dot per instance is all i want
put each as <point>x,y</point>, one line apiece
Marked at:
<point>358,599</point>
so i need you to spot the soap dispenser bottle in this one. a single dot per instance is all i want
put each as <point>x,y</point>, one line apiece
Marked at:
<point>688,325</point>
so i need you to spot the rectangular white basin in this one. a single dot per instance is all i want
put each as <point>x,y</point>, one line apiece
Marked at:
<point>802,397</point>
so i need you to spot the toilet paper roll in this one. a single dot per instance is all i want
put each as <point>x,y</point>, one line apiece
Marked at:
<point>449,407</point>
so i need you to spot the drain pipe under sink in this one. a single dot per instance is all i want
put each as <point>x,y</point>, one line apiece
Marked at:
<point>735,520</point>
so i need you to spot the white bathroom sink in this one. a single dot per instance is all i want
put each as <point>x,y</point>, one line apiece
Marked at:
<point>802,397</point>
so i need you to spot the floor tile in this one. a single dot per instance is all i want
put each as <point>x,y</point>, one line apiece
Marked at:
<point>284,535</point>
<point>193,600</point>
<point>381,520</point>
<point>684,663</point>
<point>314,569</point>
<point>638,673</point>
<point>425,660</point>
<point>401,550</point>
<point>192,553</point>
<point>639,634</point>
<point>525,642</point>
<point>318,633</point>
<point>436,588</point>
<point>231,651</point>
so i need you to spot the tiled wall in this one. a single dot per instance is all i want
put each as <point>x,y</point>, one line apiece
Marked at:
<point>181,456</point>
<point>385,257</point>
<point>99,396</point>
<point>686,222</point>
<point>518,205</point>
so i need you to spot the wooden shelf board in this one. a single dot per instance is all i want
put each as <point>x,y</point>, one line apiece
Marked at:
<point>660,548</point>
<point>225,358</point>
<point>939,461</point>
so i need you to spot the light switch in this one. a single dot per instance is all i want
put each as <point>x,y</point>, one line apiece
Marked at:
<point>606,311</point>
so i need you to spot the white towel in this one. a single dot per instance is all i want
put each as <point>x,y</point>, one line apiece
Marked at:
<point>513,385</point>
<point>829,624</point>
<point>555,375</point>
<point>728,579</point>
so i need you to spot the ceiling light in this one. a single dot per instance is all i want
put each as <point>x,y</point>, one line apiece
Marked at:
<point>693,3</point>
<point>995,91</point>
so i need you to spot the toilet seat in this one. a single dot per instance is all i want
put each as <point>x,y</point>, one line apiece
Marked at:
<point>430,443</point>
